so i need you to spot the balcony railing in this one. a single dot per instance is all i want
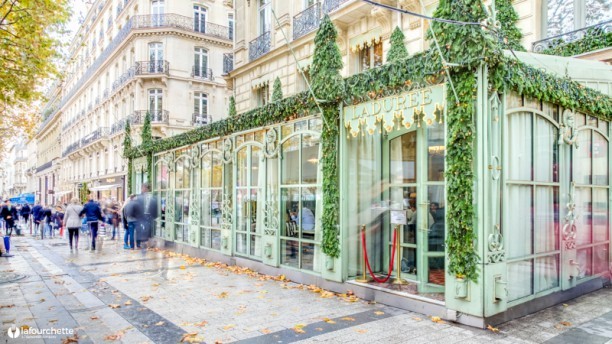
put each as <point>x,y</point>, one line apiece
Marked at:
<point>157,116</point>
<point>94,136</point>
<point>201,119</point>
<point>228,63</point>
<point>152,67</point>
<point>307,21</point>
<point>332,5</point>
<point>598,30</point>
<point>124,78</point>
<point>117,127</point>
<point>201,73</point>
<point>181,22</point>
<point>71,148</point>
<point>259,46</point>
<point>44,166</point>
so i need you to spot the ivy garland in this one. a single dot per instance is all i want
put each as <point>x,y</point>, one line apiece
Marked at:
<point>127,151</point>
<point>594,39</point>
<point>277,90</point>
<point>147,138</point>
<point>404,74</point>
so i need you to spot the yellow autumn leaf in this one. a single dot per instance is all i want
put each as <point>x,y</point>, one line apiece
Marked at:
<point>492,329</point>
<point>201,323</point>
<point>329,321</point>
<point>229,327</point>
<point>223,295</point>
<point>319,329</point>
<point>265,331</point>
<point>160,323</point>
<point>114,305</point>
<point>347,319</point>
<point>361,331</point>
<point>188,337</point>
<point>127,303</point>
<point>183,267</point>
<point>299,328</point>
<point>565,323</point>
<point>437,320</point>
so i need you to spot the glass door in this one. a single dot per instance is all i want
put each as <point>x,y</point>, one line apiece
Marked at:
<point>199,18</point>
<point>248,190</point>
<point>157,12</point>
<point>155,104</point>
<point>414,168</point>
<point>156,58</point>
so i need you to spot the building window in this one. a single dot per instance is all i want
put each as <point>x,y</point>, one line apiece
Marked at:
<point>230,25</point>
<point>160,191</point>
<point>199,18</point>
<point>200,63</point>
<point>371,57</point>
<point>265,9</point>
<point>263,95</point>
<point>156,57</point>
<point>300,200</point>
<point>157,12</point>
<point>211,193</point>
<point>155,104</point>
<point>564,16</point>
<point>249,196</point>
<point>182,189</point>
<point>200,108</point>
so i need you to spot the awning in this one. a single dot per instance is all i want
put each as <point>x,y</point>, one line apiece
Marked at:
<point>23,198</point>
<point>105,187</point>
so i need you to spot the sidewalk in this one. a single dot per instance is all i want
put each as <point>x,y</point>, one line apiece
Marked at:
<point>160,297</point>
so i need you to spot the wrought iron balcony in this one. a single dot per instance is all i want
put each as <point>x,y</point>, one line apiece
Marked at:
<point>44,166</point>
<point>181,22</point>
<point>118,127</point>
<point>71,148</point>
<point>228,63</point>
<point>94,136</point>
<point>332,5</point>
<point>259,46</point>
<point>124,78</point>
<point>106,93</point>
<point>595,31</point>
<point>201,73</point>
<point>201,119</point>
<point>157,117</point>
<point>152,67</point>
<point>307,21</point>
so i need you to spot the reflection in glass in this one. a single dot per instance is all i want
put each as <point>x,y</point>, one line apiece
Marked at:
<point>310,158</point>
<point>409,260</point>
<point>289,161</point>
<point>600,160</point>
<point>307,212</point>
<point>601,215</point>
<point>402,151</point>
<point>519,152</point>
<point>241,246</point>
<point>241,167</point>
<point>254,165</point>
<point>289,207</point>
<point>546,152</point>
<point>546,222</point>
<point>521,273</point>
<point>583,222</point>
<point>600,259</point>
<point>205,212</point>
<point>289,253</point>
<point>437,211</point>
<point>582,161</point>
<point>585,263</point>
<point>519,220</point>
<point>547,272</point>
<point>436,270</point>
<point>217,170</point>
<point>435,152</point>
<point>215,239</point>
<point>307,256</point>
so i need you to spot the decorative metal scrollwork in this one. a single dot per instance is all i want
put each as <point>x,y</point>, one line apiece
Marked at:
<point>567,130</point>
<point>496,246</point>
<point>194,156</point>
<point>569,228</point>
<point>226,213</point>
<point>228,147</point>
<point>169,161</point>
<point>270,217</point>
<point>271,144</point>
<point>169,217</point>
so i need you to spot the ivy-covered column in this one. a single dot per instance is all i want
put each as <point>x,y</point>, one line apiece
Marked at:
<point>194,202</point>
<point>328,88</point>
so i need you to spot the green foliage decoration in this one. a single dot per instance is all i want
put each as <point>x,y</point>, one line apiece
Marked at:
<point>127,154</point>
<point>327,83</point>
<point>330,244</point>
<point>147,138</point>
<point>84,193</point>
<point>510,34</point>
<point>594,39</point>
<point>398,49</point>
<point>277,91</point>
<point>232,107</point>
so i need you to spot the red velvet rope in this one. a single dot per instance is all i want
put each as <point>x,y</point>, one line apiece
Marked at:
<point>367,261</point>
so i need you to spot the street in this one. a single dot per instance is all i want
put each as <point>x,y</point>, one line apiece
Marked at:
<point>116,295</point>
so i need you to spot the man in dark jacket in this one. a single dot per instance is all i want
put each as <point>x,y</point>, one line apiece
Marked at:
<point>36,217</point>
<point>25,213</point>
<point>45,222</point>
<point>9,214</point>
<point>150,211</point>
<point>93,214</point>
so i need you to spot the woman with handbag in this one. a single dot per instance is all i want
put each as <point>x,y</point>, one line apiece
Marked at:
<point>72,221</point>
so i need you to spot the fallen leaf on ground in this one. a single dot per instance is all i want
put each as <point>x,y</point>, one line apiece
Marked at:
<point>329,321</point>
<point>183,268</point>
<point>228,327</point>
<point>201,323</point>
<point>161,323</point>
<point>114,305</point>
<point>6,306</point>
<point>114,336</point>
<point>350,292</point>
<point>155,284</point>
<point>188,337</point>
<point>145,298</point>
<point>127,303</point>
<point>42,300</point>
<point>73,339</point>
<point>347,319</point>
<point>565,305</point>
<point>53,320</point>
<point>319,329</point>
<point>492,329</point>
<point>265,331</point>
<point>223,295</point>
<point>361,331</point>
<point>437,320</point>
<point>94,317</point>
<point>299,328</point>
<point>379,313</point>
<point>565,323</point>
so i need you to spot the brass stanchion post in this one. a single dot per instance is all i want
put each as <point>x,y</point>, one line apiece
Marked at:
<point>398,260</point>
<point>364,277</point>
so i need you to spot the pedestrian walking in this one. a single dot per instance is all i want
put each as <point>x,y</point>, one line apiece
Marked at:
<point>149,214</point>
<point>72,221</point>
<point>115,217</point>
<point>93,214</point>
<point>25,214</point>
<point>132,212</point>
<point>9,214</point>
<point>47,217</point>
<point>36,217</point>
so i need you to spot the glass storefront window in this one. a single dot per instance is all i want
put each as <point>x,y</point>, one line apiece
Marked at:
<point>249,200</point>
<point>300,199</point>
<point>211,193</point>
